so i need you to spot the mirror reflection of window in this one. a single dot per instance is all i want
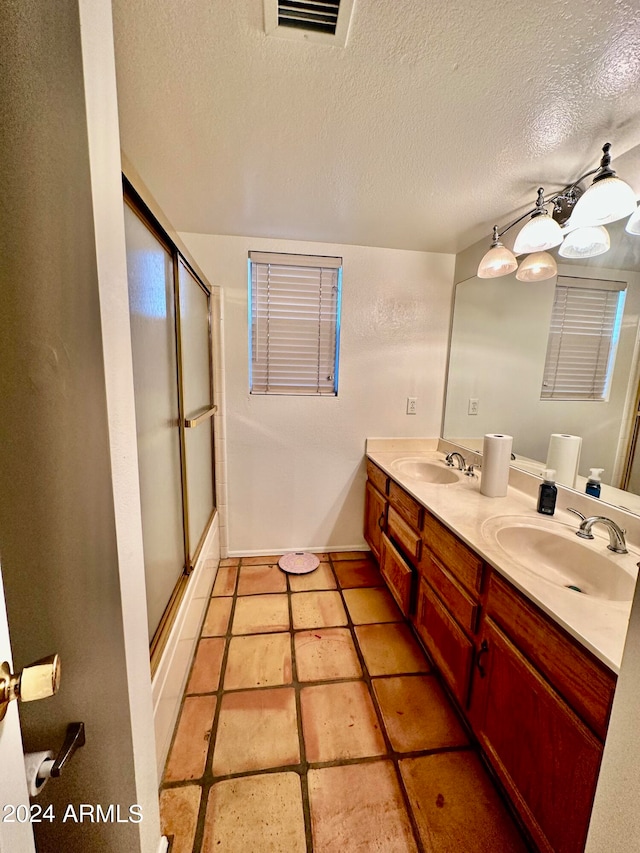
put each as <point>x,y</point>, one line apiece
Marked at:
<point>583,337</point>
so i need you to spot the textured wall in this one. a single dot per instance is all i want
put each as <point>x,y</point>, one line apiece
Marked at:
<point>295,466</point>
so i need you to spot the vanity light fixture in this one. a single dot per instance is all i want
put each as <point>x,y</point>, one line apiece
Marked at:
<point>537,267</point>
<point>498,261</point>
<point>607,199</point>
<point>540,233</point>
<point>633,225</point>
<point>585,242</point>
<point>581,213</point>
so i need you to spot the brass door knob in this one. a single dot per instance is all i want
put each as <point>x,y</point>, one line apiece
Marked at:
<point>36,681</point>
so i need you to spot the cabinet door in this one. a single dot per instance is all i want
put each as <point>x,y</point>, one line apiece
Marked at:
<point>546,757</point>
<point>451,650</point>
<point>397,574</point>
<point>374,510</point>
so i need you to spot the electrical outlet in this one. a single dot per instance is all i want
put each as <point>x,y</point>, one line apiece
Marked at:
<point>473,406</point>
<point>411,405</point>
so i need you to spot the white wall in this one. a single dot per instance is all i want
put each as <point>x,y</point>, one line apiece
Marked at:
<point>295,465</point>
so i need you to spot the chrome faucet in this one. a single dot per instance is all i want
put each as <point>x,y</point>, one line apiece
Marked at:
<point>617,542</point>
<point>462,462</point>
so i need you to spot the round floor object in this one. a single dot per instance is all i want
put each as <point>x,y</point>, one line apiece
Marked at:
<point>298,563</point>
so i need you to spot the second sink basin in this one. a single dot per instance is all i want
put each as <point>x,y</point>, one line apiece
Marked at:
<point>426,472</point>
<point>551,550</point>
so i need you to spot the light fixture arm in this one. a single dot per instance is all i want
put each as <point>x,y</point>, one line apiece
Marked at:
<point>541,202</point>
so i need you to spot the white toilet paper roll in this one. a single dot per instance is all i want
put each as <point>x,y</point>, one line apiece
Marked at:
<point>564,457</point>
<point>496,460</point>
<point>33,764</point>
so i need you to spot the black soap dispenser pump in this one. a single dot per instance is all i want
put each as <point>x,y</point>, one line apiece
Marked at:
<point>593,483</point>
<point>547,493</point>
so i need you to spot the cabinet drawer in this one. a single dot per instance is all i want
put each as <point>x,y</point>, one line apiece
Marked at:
<point>457,600</point>
<point>408,507</point>
<point>397,574</point>
<point>460,560</point>
<point>407,537</point>
<point>377,477</point>
<point>451,650</point>
<point>586,684</point>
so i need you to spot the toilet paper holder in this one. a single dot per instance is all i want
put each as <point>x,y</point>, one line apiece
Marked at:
<point>42,766</point>
<point>74,739</point>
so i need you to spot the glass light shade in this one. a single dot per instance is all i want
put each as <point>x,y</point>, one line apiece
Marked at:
<point>605,201</point>
<point>537,267</point>
<point>585,242</point>
<point>541,232</point>
<point>498,261</point>
<point>633,225</point>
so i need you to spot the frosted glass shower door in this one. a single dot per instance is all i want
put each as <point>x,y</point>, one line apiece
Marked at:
<point>198,408</point>
<point>155,371</point>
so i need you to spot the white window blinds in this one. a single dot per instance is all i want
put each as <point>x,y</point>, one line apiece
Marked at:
<point>584,329</point>
<point>294,323</point>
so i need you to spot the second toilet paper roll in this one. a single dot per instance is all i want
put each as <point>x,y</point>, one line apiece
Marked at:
<point>496,460</point>
<point>564,457</point>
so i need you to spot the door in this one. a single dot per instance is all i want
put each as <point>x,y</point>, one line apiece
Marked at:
<point>197,404</point>
<point>16,835</point>
<point>374,519</point>
<point>545,756</point>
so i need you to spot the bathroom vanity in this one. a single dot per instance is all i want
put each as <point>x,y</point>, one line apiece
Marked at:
<point>530,662</point>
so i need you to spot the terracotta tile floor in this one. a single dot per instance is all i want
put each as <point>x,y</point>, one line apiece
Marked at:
<point>312,721</point>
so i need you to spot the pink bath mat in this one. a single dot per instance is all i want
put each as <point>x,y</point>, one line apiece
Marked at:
<point>298,563</point>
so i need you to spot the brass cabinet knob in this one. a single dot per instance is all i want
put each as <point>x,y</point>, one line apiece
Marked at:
<point>36,681</point>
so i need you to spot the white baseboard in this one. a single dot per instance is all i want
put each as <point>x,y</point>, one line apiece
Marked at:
<point>170,678</point>
<point>163,846</point>
<point>265,552</point>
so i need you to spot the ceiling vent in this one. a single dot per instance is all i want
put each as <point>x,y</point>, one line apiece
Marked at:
<point>324,21</point>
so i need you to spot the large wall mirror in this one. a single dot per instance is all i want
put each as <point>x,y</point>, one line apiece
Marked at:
<point>499,340</point>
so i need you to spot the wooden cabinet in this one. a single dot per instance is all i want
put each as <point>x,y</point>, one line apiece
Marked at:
<point>450,649</point>
<point>375,507</point>
<point>406,537</point>
<point>461,561</point>
<point>536,699</point>
<point>585,683</point>
<point>448,604</point>
<point>397,574</point>
<point>545,756</point>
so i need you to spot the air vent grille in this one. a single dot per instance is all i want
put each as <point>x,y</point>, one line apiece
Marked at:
<point>313,21</point>
<point>319,16</point>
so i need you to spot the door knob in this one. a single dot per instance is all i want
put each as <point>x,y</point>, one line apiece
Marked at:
<point>36,681</point>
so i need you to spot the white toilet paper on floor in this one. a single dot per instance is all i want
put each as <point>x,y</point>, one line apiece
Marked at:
<point>33,761</point>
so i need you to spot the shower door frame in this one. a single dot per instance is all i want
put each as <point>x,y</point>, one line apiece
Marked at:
<point>137,205</point>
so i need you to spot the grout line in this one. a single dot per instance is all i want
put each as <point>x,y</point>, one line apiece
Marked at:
<point>304,782</point>
<point>390,752</point>
<point>207,780</point>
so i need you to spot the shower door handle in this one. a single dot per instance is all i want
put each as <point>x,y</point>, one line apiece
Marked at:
<point>192,423</point>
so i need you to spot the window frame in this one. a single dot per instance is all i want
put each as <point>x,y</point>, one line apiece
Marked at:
<point>580,282</point>
<point>319,264</point>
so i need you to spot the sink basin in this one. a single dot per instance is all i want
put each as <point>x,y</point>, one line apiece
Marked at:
<point>551,550</point>
<point>426,472</point>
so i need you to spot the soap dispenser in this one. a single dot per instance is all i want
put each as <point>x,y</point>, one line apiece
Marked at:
<point>593,483</point>
<point>547,493</point>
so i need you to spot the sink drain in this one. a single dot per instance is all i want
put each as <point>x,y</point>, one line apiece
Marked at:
<point>573,587</point>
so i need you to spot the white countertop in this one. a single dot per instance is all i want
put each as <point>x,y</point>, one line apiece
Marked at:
<point>598,624</point>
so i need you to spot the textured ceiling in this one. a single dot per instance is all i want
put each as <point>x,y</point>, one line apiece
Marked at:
<point>437,118</point>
